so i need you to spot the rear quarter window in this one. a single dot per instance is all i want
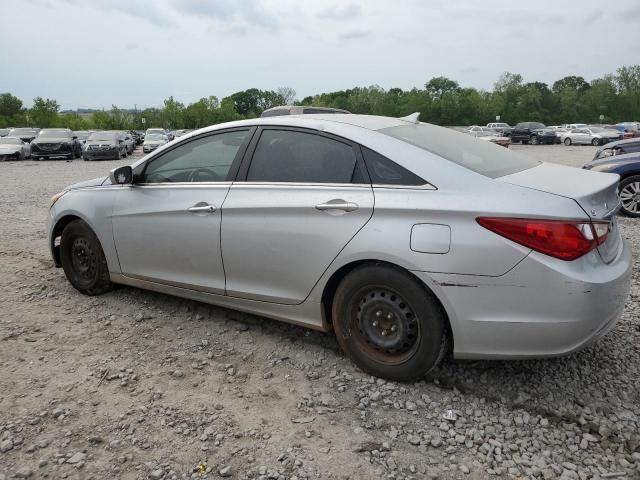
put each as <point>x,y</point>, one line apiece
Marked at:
<point>480,156</point>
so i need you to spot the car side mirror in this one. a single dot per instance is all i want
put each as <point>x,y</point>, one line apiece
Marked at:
<point>121,175</point>
<point>75,138</point>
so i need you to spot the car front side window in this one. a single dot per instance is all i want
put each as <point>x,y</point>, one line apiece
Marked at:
<point>203,159</point>
<point>294,156</point>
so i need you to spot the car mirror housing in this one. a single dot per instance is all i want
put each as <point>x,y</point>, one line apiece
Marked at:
<point>121,175</point>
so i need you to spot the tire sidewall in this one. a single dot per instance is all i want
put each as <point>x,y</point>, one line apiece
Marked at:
<point>79,229</point>
<point>422,302</point>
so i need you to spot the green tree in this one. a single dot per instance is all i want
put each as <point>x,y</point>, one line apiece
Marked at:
<point>44,113</point>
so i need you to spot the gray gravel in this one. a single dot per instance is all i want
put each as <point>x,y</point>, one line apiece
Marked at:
<point>136,385</point>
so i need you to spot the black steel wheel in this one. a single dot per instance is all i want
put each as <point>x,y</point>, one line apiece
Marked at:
<point>83,260</point>
<point>388,322</point>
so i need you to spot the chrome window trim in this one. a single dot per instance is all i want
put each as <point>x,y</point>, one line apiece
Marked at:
<point>426,186</point>
<point>302,184</point>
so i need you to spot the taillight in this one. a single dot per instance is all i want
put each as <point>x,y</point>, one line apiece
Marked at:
<point>561,239</point>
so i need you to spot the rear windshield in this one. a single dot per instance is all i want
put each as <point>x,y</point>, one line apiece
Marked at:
<point>482,157</point>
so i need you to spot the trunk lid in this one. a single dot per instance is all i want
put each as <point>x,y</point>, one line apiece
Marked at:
<point>595,192</point>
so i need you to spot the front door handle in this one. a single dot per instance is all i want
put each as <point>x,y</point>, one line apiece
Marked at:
<point>338,204</point>
<point>202,208</point>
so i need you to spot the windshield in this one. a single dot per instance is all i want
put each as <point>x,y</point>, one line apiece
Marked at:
<point>10,141</point>
<point>54,134</point>
<point>597,129</point>
<point>101,137</point>
<point>479,156</point>
<point>154,137</point>
<point>81,135</point>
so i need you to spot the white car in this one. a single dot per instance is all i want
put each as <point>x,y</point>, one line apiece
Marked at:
<point>12,148</point>
<point>590,136</point>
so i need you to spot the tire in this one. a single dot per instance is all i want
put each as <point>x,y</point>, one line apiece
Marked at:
<point>534,140</point>
<point>567,141</point>
<point>377,293</point>
<point>629,191</point>
<point>119,155</point>
<point>83,260</point>
<point>595,142</point>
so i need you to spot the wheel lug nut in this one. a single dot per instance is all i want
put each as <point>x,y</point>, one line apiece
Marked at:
<point>375,323</point>
<point>389,316</point>
<point>384,333</point>
<point>393,328</point>
<point>379,313</point>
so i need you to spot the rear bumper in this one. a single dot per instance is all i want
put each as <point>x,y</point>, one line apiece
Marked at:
<point>541,308</point>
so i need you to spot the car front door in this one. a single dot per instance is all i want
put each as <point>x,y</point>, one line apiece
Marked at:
<point>167,225</point>
<point>300,196</point>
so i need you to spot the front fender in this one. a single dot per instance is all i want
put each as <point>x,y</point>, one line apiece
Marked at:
<point>94,206</point>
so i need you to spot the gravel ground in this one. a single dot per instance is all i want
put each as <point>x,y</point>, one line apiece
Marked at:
<point>137,385</point>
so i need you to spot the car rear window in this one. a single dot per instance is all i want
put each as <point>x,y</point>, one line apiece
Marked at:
<point>480,156</point>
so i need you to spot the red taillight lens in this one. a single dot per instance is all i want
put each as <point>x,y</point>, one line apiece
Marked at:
<point>561,239</point>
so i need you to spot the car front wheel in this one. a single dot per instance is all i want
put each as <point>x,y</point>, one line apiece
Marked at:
<point>389,323</point>
<point>595,142</point>
<point>534,140</point>
<point>83,260</point>
<point>630,196</point>
<point>567,141</point>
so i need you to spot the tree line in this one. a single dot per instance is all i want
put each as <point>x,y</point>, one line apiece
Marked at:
<point>614,97</point>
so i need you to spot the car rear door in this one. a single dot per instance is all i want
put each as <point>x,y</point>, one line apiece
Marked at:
<point>166,226</point>
<point>301,195</point>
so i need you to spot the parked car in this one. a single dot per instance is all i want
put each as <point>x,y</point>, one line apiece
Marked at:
<point>573,126</point>
<point>629,129</point>
<point>299,110</point>
<point>104,146</point>
<point>24,134</point>
<point>489,135</point>
<point>618,148</point>
<point>55,143</point>
<point>153,141</point>
<point>81,136</point>
<point>465,237</point>
<point>533,132</point>
<point>160,131</point>
<point>4,132</point>
<point>627,165</point>
<point>12,148</point>
<point>127,139</point>
<point>503,128</point>
<point>590,136</point>
<point>137,138</point>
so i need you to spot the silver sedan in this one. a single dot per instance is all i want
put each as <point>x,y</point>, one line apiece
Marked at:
<point>406,239</point>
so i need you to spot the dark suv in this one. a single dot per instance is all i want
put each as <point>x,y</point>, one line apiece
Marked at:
<point>55,142</point>
<point>534,133</point>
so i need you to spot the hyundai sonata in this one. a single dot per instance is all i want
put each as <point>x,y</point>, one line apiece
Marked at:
<point>404,238</point>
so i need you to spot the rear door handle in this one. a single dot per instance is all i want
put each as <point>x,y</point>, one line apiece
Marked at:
<point>202,207</point>
<point>338,204</point>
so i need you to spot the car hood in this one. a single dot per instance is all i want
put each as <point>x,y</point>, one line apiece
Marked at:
<point>614,160</point>
<point>155,143</point>
<point>96,182</point>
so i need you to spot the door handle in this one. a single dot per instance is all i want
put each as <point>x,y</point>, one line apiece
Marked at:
<point>338,204</point>
<point>202,208</point>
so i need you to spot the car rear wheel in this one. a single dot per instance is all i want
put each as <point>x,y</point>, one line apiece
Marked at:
<point>83,260</point>
<point>388,323</point>
<point>630,196</point>
<point>567,141</point>
<point>595,142</point>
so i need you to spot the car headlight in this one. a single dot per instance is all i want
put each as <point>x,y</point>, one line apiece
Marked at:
<point>55,198</point>
<point>602,168</point>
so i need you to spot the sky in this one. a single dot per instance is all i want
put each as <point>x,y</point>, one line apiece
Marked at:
<point>95,53</point>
